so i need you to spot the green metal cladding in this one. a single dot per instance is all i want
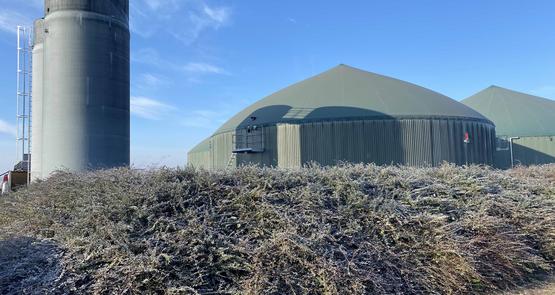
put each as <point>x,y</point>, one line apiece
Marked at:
<point>350,115</point>
<point>516,114</point>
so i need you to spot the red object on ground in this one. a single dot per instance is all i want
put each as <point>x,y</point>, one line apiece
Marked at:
<point>5,178</point>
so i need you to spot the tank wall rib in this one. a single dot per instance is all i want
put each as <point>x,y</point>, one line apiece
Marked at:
<point>288,145</point>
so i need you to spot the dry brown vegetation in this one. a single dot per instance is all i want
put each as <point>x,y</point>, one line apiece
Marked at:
<point>353,229</point>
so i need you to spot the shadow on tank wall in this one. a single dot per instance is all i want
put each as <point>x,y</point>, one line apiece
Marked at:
<point>287,114</point>
<point>522,156</point>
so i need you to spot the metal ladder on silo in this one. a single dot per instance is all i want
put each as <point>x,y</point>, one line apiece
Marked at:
<point>24,99</point>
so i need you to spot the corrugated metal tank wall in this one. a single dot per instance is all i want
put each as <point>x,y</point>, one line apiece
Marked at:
<point>37,107</point>
<point>221,151</point>
<point>535,150</point>
<point>86,85</point>
<point>199,159</point>
<point>200,156</point>
<point>414,142</point>
<point>531,150</point>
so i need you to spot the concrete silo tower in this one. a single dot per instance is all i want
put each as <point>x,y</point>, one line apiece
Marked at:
<point>85,86</point>
<point>38,69</point>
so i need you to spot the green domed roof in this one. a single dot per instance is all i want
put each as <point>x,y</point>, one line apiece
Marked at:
<point>515,113</point>
<point>348,93</point>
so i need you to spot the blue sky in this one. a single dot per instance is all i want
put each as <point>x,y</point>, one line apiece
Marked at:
<point>195,63</point>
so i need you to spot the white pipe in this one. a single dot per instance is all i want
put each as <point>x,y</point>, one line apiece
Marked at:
<point>511,147</point>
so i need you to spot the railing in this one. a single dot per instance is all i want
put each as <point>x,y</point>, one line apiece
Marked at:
<point>249,140</point>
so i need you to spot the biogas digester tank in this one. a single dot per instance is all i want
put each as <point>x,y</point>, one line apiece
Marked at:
<point>86,102</point>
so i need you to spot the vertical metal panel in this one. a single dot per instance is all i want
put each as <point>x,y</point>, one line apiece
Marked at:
<point>221,151</point>
<point>453,155</point>
<point>86,89</point>
<point>442,151</point>
<point>502,159</point>
<point>202,157</point>
<point>475,143</point>
<point>493,141</point>
<point>37,106</point>
<point>288,145</point>
<point>199,159</point>
<point>415,144</point>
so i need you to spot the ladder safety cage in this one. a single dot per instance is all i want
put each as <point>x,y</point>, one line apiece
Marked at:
<point>248,140</point>
<point>24,99</point>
